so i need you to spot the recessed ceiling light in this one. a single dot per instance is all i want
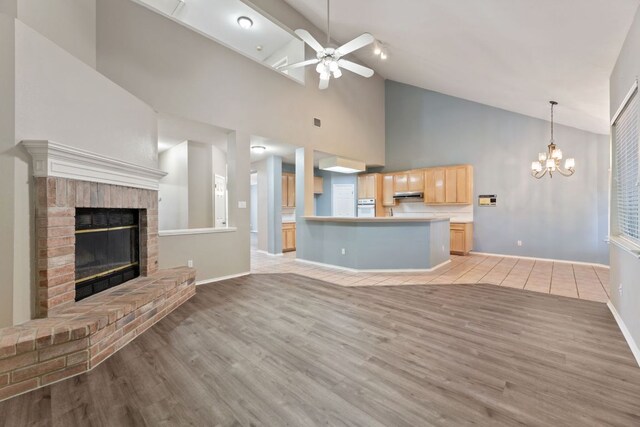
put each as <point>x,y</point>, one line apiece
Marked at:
<point>258,149</point>
<point>245,22</point>
<point>259,48</point>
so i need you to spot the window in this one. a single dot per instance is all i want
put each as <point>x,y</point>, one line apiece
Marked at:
<point>626,170</point>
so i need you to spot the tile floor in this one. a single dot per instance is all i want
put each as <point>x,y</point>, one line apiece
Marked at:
<point>570,280</point>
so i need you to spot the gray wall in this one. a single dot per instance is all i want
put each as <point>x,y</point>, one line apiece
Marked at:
<point>173,203</point>
<point>200,185</point>
<point>559,218</point>
<point>625,267</point>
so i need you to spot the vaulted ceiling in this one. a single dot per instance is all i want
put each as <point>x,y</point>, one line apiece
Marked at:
<point>511,54</point>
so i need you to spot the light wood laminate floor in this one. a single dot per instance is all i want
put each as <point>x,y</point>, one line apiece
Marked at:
<point>288,350</point>
<point>556,278</point>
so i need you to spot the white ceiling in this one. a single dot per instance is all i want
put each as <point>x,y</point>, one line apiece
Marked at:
<point>511,54</point>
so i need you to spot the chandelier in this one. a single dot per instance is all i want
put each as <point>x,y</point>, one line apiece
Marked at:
<point>550,161</point>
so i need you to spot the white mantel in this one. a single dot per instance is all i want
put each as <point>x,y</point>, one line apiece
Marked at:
<point>51,159</point>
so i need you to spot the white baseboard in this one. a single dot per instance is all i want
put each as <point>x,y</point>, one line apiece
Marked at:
<point>219,279</point>
<point>563,261</point>
<point>260,251</point>
<point>354,270</point>
<point>627,335</point>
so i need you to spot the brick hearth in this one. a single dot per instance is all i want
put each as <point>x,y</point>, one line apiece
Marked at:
<point>56,203</point>
<point>75,339</point>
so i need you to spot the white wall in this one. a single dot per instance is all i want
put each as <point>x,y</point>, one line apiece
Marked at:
<point>625,267</point>
<point>59,98</point>
<point>200,185</point>
<point>180,72</point>
<point>71,24</point>
<point>173,212</point>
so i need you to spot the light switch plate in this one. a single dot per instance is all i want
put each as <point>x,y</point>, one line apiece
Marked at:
<point>242,204</point>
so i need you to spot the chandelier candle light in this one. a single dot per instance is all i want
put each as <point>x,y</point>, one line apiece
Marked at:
<point>550,161</point>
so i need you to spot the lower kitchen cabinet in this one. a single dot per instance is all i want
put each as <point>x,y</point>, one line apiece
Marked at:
<point>288,237</point>
<point>461,242</point>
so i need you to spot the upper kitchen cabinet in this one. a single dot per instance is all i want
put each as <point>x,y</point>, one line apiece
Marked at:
<point>288,190</point>
<point>408,181</point>
<point>434,189</point>
<point>318,185</point>
<point>451,185</point>
<point>367,186</point>
<point>388,190</point>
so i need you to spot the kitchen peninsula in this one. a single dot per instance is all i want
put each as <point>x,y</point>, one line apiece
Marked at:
<point>378,243</point>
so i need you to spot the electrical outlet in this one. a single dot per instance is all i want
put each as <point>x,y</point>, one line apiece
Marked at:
<point>344,251</point>
<point>620,289</point>
<point>519,242</point>
<point>190,263</point>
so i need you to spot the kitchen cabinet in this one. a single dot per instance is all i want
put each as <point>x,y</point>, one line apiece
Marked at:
<point>451,185</point>
<point>388,190</point>
<point>461,238</point>
<point>288,190</point>
<point>434,189</point>
<point>288,237</point>
<point>408,181</point>
<point>318,185</point>
<point>367,186</point>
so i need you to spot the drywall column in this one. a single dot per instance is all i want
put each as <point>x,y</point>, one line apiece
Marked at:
<point>274,204</point>
<point>7,176</point>
<point>304,197</point>
<point>238,185</point>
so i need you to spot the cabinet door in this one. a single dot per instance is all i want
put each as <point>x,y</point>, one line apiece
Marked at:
<point>400,183</point>
<point>387,191</point>
<point>463,181</point>
<point>451,185</point>
<point>370,187</point>
<point>285,191</point>
<point>434,186</point>
<point>318,184</point>
<point>416,181</point>
<point>362,184</point>
<point>457,243</point>
<point>291,191</point>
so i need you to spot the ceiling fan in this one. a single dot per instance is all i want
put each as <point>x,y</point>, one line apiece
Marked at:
<point>328,59</point>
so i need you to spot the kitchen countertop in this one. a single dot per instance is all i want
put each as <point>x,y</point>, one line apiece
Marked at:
<point>379,219</point>
<point>289,221</point>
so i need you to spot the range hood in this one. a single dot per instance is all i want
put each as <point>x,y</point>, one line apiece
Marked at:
<point>418,195</point>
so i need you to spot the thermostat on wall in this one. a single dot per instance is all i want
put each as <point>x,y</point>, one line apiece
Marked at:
<point>487,200</point>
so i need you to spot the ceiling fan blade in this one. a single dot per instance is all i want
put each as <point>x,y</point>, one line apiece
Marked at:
<point>324,83</point>
<point>308,39</point>
<point>298,65</point>
<point>355,68</point>
<point>355,44</point>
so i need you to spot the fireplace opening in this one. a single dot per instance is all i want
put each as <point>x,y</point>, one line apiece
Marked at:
<point>107,249</point>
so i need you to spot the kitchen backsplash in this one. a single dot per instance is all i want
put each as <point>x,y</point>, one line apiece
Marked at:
<point>419,209</point>
<point>288,214</point>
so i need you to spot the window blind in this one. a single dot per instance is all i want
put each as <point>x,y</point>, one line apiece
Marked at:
<point>626,145</point>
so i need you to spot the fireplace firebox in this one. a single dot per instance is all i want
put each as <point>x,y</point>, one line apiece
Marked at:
<point>107,249</point>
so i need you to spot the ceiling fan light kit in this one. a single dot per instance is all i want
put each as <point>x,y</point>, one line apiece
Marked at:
<point>550,161</point>
<point>329,60</point>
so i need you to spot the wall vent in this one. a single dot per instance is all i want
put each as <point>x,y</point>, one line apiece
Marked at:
<point>317,122</point>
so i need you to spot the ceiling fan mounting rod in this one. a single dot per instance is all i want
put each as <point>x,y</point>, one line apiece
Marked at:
<point>328,24</point>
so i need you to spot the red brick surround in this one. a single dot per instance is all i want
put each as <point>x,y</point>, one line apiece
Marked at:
<point>56,201</point>
<point>78,337</point>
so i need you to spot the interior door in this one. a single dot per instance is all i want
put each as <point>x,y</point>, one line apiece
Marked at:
<point>220,201</point>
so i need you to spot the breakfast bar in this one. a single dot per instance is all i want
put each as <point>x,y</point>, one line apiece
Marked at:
<point>376,244</point>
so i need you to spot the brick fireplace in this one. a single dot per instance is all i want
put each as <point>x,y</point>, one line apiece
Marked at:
<point>56,203</point>
<point>71,337</point>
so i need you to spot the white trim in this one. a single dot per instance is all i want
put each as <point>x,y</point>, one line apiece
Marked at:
<point>190,231</point>
<point>624,102</point>
<point>626,245</point>
<point>562,261</point>
<point>220,279</point>
<point>395,270</point>
<point>260,251</point>
<point>627,335</point>
<point>51,159</point>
